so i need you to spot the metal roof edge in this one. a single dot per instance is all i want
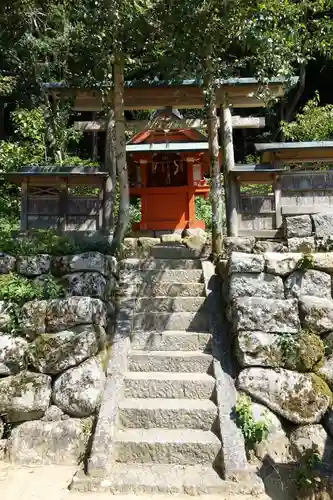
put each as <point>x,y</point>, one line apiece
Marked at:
<point>276,146</point>
<point>186,83</point>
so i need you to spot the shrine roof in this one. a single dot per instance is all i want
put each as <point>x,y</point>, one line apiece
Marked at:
<point>295,151</point>
<point>49,174</point>
<point>166,147</point>
<point>184,83</point>
<point>181,94</point>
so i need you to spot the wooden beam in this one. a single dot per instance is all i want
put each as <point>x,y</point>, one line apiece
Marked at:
<point>305,210</point>
<point>24,204</point>
<point>261,233</point>
<point>137,126</point>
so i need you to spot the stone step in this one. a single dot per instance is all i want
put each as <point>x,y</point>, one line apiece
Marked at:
<point>169,385</point>
<point>171,304</point>
<point>159,321</point>
<point>162,479</point>
<point>167,446</point>
<point>162,289</point>
<point>171,341</point>
<point>163,275</point>
<point>152,264</point>
<point>174,252</point>
<point>170,361</point>
<point>167,413</point>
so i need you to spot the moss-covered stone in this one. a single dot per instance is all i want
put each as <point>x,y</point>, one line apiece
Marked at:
<point>306,353</point>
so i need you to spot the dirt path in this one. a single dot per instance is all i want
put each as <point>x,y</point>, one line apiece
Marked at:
<point>50,483</point>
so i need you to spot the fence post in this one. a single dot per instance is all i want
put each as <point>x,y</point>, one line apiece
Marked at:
<point>228,165</point>
<point>277,195</point>
<point>24,205</point>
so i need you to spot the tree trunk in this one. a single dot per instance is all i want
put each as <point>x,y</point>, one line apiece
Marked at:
<point>111,168</point>
<point>124,206</point>
<point>216,193</point>
<point>228,165</point>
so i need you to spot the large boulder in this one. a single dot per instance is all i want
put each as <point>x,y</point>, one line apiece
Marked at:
<point>301,352</point>
<point>33,315</point>
<point>282,264</point>
<point>256,285</point>
<point>267,315</point>
<point>276,445</point>
<point>301,398</point>
<point>298,226</point>
<point>65,313</point>
<point>25,396</point>
<point>309,282</point>
<point>86,285</point>
<point>54,353</point>
<point>4,316</point>
<point>312,438</point>
<point>12,354</point>
<point>246,263</point>
<point>33,265</point>
<point>316,313</point>
<point>49,443</point>
<point>88,261</point>
<point>323,262</point>
<point>323,224</point>
<point>7,263</point>
<point>78,391</point>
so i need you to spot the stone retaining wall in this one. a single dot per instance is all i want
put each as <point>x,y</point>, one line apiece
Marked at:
<point>280,309</point>
<point>52,371</point>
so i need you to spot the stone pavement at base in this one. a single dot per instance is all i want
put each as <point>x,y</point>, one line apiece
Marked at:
<point>50,483</point>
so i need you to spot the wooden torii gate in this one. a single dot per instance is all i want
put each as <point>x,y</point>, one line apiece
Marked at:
<point>230,93</point>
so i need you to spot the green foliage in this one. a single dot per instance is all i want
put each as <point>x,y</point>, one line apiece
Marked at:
<point>306,262</point>
<point>307,477</point>
<point>203,211</point>
<point>42,241</point>
<point>16,290</point>
<point>289,345</point>
<point>254,432</point>
<point>314,123</point>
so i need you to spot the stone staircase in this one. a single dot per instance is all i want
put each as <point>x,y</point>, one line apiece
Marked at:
<point>167,435</point>
<point>167,419</point>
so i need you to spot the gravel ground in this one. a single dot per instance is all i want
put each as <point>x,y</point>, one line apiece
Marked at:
<point>50,483</point>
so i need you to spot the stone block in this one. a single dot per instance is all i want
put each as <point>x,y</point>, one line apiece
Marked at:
<point>65,313</point>
<point>309,282</point>
<point>33,315</point>
<point>78,391</point>
<point>54,353</point>
<point>269,246</point>
<point>301,398</point>
<point>166,238</point>
<point>25,396</point>
<point>7,263</point>
<point>87,261</point>
<point>306,438</point>
<point>147,242</point>
<point>33,265</point>
<point>316,313</point>
<point>298,226</point>
<point>256,285</point>
<point>282,264</point>
<point>323,224</point>
<point>246,263</point>
<point>49,443</point>
<point>5,317</point>
<point>303,245</point>
<point>86,284</point>
<point>12,354</point>
<point>267,315</point>
<point>164,361</point>
<point>238,244</point>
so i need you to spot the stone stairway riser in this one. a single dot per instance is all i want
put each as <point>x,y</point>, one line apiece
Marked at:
<point>162,289</point>
<point>168,388</point>
<point>168,418</point>
<point>163,276</point>
<point>150,321</point>
<point>171,341</point>
<point>171,304</point>
<point>158,264</point>
<point>169,363</point>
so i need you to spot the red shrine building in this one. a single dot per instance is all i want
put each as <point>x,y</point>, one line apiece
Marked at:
<point>167,169</point>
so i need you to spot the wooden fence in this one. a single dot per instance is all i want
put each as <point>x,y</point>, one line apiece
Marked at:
<point>291,193</point>
<point>50,207</point>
